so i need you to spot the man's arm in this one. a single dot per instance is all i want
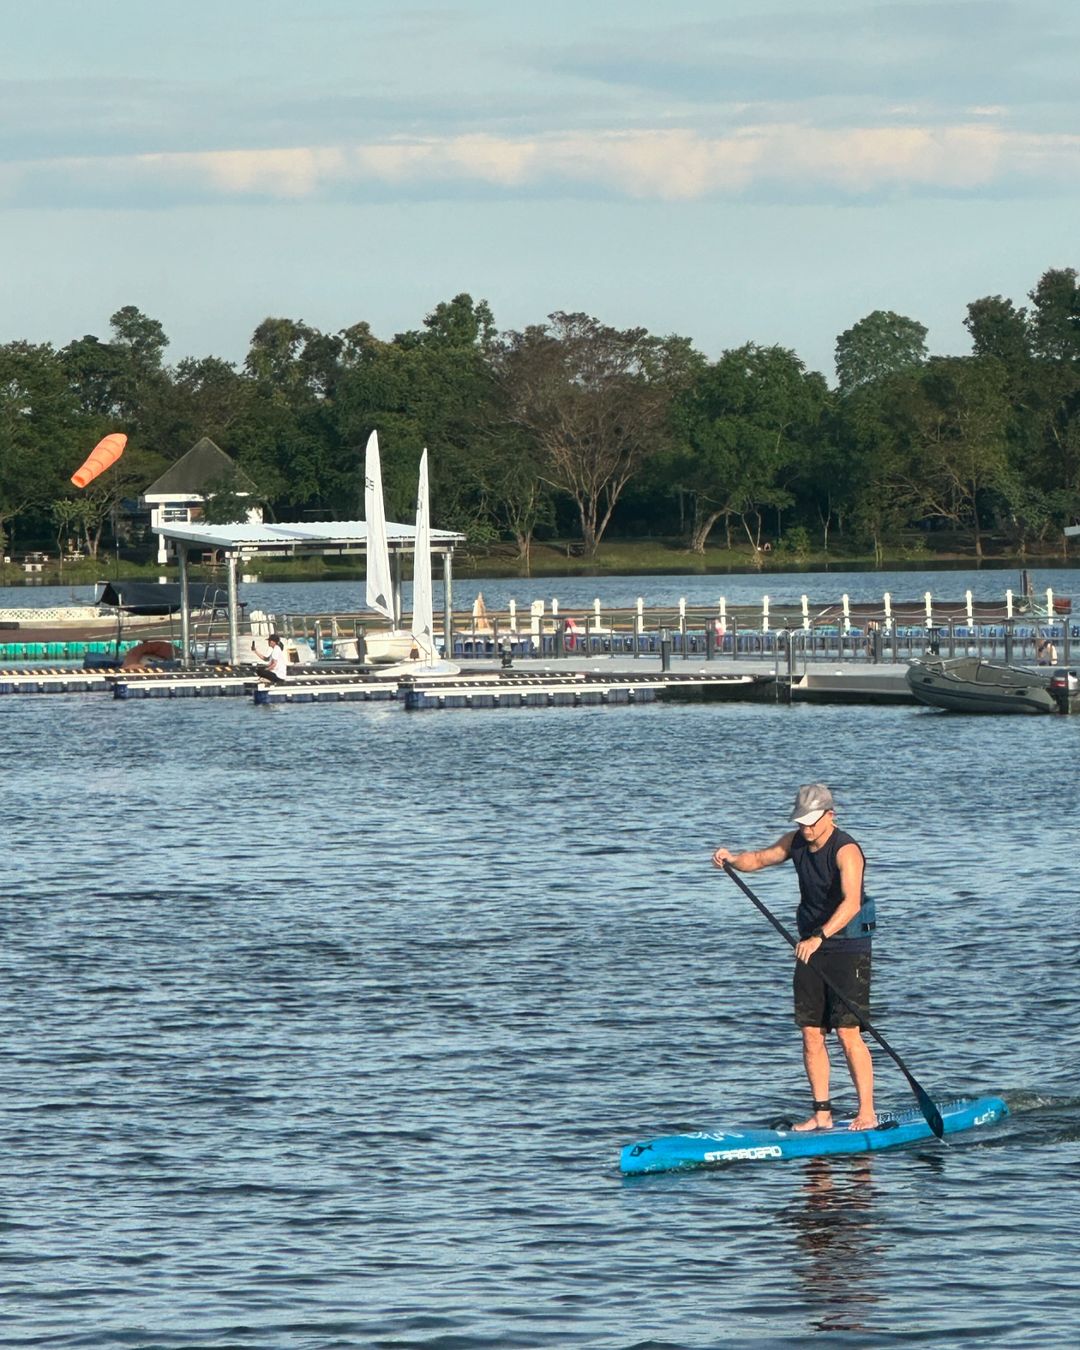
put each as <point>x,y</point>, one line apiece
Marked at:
<point>753,860</point>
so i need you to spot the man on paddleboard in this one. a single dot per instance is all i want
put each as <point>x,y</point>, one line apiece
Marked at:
<point>835,921</point>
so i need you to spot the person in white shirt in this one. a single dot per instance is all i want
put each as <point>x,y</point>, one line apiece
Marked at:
<point>277,664</point>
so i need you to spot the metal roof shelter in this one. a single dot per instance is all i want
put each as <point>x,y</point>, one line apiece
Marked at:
<point>312,537</point>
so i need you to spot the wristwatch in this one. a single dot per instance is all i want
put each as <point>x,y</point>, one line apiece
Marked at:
<point>818,933</point>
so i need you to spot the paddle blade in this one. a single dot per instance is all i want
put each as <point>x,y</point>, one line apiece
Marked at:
<point>929,1110</point>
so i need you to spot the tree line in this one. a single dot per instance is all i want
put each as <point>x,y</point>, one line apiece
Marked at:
<point>574,428</point>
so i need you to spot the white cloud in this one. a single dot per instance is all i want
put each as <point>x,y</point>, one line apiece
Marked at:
<point>790,160</point>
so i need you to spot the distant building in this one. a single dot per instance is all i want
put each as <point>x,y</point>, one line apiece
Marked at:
<point>179,495</point>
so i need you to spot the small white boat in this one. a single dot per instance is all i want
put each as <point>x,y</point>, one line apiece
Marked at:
<point>380,644</point>
<point>968,684</point>
<point>406,651</point>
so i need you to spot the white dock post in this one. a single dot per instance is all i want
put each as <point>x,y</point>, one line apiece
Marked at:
<point>1049,605</point>
<point>970,613</point>
<point>888,611</point>
<point>682,627</point>
<point>1008,604</point>
<point>847,614</point>
<point>806,613</point>
<point>929,609</point>
<point>639,625</point>
<point>764,613</point>
<point>513,616</point>
<point>536,619</point>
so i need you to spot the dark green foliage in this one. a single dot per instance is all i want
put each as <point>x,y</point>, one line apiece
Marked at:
<point>574,427</point>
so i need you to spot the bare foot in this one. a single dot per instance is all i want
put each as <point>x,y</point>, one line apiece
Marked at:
<point>820,1120</point>
<point>864,1121</point>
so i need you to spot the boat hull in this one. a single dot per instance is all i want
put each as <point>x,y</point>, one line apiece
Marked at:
<point>381,646</point>
<point>678,1152</point>
<point>969,685</point>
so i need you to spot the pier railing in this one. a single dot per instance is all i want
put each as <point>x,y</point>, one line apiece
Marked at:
<point>1009,631</point>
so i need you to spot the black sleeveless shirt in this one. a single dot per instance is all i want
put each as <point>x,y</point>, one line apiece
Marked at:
<point>820,888</point>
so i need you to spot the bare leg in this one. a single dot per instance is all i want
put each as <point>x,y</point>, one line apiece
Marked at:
<point>861,1068</point>
<point>816,1063</point>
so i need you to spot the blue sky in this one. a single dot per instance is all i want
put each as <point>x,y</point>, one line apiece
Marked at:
<point>730,170</point>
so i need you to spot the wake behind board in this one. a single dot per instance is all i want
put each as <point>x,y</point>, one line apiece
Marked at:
<point>894,1130</point>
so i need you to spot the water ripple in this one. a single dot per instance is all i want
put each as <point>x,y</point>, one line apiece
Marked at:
<point>324,1029</point>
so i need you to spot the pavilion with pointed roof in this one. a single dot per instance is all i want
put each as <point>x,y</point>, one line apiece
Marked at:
<point>180,494</point>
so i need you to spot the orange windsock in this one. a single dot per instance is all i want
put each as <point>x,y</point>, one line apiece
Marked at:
<point>106,452</point>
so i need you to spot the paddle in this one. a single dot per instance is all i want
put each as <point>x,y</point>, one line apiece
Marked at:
<point>926,1104</point>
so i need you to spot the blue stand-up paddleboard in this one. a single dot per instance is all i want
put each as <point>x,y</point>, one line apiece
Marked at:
<point>894,1129</point>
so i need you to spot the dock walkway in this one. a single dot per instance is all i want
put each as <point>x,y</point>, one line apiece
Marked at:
<point>570,681</point>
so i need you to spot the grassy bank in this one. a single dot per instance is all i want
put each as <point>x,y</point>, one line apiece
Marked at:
<point>613,558</point>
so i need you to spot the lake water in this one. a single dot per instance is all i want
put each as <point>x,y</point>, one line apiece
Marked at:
<point>322,1026</point>
<point>782,588</point>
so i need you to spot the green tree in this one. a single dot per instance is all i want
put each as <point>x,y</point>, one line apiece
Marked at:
<point>874,430</point>
<point>1047,463</point>
<point>41,431</point>
<point>84,516</point>
<point>225,503</point>
<point>882,344</point>
<point>743,425</point>
<point>594,402</point>
<point>1000,330</point>
<point>284,436</point>
<point>961,427</point>
<point>431,387</point>
<point>1055,315</point>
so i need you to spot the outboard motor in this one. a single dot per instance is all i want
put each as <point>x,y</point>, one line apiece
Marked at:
<point>1064,688</point>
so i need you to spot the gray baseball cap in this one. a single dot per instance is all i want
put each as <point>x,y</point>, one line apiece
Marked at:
<point>811,802</point>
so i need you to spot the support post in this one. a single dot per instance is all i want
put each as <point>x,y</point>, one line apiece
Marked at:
<point>448,609</point>
<point>185,605</point>
<point>234,630</point>
<point>397,584</point>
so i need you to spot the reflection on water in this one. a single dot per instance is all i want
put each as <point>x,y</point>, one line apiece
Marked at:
<point>838,1239</point>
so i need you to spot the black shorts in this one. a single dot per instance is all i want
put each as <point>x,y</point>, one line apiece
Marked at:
<point>817,1006</point>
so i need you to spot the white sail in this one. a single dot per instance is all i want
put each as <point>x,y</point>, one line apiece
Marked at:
<point>380,588</point>
<point>423,621</point>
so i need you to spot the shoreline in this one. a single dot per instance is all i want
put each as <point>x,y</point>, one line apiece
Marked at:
<point>617,559</point>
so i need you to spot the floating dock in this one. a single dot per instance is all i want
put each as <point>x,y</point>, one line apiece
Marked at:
<point>52,680</point>
<point>215,682</point>
<point>328,687</point>
<point>873,684</point>
<point>569,689</point>
<point>570,682</point>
